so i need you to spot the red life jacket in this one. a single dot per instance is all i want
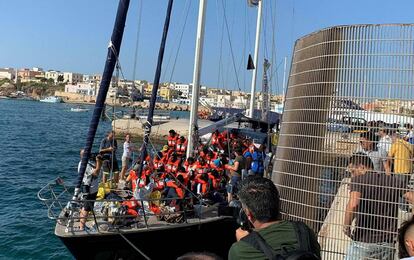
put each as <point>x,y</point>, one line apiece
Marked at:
<point>210,160</point>
<point>158,163</point>
<point>203,183</point>
<point>172,141</point>
<point>185,176</point>
<point>199,168</point>
<point>217,139</point>
<point>172,167</point>
<point>215,181</point>
<point>181,147</point>
<point>178,189</point>
<point>188,167</point>
<point>131,204</point>
<point>159,185</point>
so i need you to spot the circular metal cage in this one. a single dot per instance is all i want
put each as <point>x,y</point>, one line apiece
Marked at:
<point>350,93</point>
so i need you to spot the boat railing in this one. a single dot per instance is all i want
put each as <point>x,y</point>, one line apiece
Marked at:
<point>57,197</point>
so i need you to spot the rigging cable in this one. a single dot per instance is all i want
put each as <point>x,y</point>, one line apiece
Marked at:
<point>179,43</point>
<point>273,56</point>
<point>137,42</point>
<point>221,47</point>
<point>178,39</point>
<point>231,49</point>
<point>133,246</point>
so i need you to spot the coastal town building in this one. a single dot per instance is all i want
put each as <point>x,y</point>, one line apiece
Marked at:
<point>86,78</point>
<point>88,89</point>
<point>54,75</point>
<point>7,73</point>
<point>168,94</point>
<point>185,89</point>
<point>72,77</point>
<point>26,75</point>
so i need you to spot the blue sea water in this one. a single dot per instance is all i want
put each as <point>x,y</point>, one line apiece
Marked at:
<point>39,141</point>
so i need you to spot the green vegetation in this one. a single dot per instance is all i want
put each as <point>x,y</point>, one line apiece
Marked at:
<point>2,81</point>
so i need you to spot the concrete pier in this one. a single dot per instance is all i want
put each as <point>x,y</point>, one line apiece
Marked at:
<point>159,132</point>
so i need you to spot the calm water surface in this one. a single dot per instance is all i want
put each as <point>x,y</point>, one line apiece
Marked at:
<point>40,141</point>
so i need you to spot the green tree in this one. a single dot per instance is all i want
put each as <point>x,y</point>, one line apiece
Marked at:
<point>60,78</point>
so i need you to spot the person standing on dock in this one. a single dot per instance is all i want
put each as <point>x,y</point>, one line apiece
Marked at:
<point>127,155</point>
<point>373,203</point>
<point>108,149</point>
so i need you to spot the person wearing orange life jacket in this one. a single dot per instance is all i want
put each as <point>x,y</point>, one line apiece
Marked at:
<point>217,140</point>
<point>200,166</point>
<point>175,191</point>
<point>159,161</point>
<point>203,152</point>
<point>181,172</point>
<point>172,139</point>
<point>201,184</point>
<point>215,178</point>
<point>210,157</point>
<point>181,146</point>
<point>159,184</point>
<point>132,207</point>
<point>172,165</point>
<point>189,164</point>
<point>166,152</point>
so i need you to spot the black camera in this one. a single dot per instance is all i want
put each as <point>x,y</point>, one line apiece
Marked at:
<point>243,221</point>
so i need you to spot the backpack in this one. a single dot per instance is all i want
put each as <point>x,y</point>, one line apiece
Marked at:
<point>303,253</point>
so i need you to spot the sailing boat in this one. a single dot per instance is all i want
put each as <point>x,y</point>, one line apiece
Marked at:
<point>151,238</point>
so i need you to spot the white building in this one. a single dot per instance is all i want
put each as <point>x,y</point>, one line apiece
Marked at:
<point>53,74</point>
<point>7,73</point>
<point>88,89</point>
<point>211,101</point>
<point>185,89</point>
<point>240,102</point>
<point>72,78</point>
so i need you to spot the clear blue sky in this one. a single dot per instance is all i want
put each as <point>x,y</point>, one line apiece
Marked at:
<point>73,35</point>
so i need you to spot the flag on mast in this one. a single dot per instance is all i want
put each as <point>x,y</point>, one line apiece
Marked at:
<point>250,63</point>
<point>253,2</point>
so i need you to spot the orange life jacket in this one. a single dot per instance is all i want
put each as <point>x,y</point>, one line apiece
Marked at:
<point>172,167</point>
<point>188,167</point>
<point>178,189</point>
<point>203,183</point>
<point>158,163</point>
<point>185,176</point>
<point>181,147</point>
<point>159,185</point>
<point>172,140</point>
<point>201,168</point>
<point>210,160</point>
<point>131,204</point>
<point>214,181</point>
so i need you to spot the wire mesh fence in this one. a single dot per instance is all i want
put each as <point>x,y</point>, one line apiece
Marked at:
<point>350,97</point>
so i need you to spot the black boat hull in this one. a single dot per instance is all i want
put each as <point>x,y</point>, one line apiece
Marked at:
<point>216,237</point>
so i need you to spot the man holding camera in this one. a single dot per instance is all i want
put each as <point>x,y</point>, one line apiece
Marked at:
<point>270,236</point>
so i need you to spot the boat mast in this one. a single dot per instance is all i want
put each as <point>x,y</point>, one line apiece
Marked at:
<point>111,59</point>
<point>256,56</point>
<point>196,78</point>
<point>284,78</point>
<point>149,122</point>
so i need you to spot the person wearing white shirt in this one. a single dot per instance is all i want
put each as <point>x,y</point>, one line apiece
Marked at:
<point>385,141</point>
<point>410,134</point>
<point>126,155</point>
